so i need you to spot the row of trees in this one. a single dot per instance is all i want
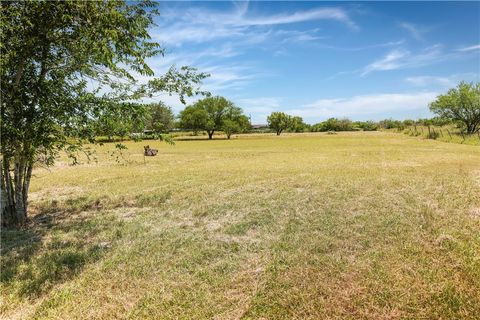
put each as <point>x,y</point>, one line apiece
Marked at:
<point>215,114</point>
<point>460,106</point>
<point>210,114</point>
<point>280,122</point>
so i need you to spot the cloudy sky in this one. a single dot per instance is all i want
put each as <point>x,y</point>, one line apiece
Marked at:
<point>369,60</point>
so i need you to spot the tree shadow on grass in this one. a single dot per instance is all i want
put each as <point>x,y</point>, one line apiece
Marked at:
<point>52,248</point>
<point>61,238</point>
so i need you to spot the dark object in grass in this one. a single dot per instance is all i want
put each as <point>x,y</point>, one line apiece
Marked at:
<point>149,152</point>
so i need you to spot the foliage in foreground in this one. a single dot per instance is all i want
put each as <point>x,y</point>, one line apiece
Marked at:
<point>51,52</point>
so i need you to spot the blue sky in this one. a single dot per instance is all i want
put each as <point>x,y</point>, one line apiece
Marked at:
<point>361,60</point>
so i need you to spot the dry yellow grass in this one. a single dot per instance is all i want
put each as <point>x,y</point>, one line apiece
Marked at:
<point>301,226</point>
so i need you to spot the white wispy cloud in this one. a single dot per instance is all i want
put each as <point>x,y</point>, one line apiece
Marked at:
<point>441,82</point>
<point>415,31</point>
<point>393,60</point>
<point>179,33</point>
<point>470,48</point>
<point>229,77</point>
<point>423,81</point>
<point>241,17</point>
<point>198,25</point>
<point>298,36</point>
<point>366,47</point>
<point>180,27</point>
<point>299,16</point>
<point>373,106</point>
<point>212,60</point>
<point>401,58</point>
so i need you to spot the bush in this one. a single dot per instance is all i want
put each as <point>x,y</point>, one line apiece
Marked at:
<point>333,124</point>
<point>391,124</point>
<point>366,125</point>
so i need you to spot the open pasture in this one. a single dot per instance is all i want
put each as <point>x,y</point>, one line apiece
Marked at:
<point>302,226</point>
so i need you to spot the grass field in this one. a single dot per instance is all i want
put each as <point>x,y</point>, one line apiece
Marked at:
<point>304,226</point>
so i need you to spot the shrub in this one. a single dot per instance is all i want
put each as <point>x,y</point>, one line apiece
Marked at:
<point>333,124</point>
<point>366,125</point>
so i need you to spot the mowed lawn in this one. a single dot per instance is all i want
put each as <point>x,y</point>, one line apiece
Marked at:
<point>301,226</point>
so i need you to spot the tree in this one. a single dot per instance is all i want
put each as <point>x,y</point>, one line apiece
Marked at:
<point>52,53</point>
<point>193,118</point>
<point>460,104</point>
<point>238,125</point>
<point>206,114</point>
<point>215,108</point>
<point>279,121</point>
<point>297,125</point>
<point>234,121</point>
<point>160,118</point>
<point>334,124</point>
<point>230,127</point>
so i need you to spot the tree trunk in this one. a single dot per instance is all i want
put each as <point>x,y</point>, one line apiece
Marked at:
<point>228,136</point>
<point>278,132</point>
<point>14,192</point>
<point>210,134</point>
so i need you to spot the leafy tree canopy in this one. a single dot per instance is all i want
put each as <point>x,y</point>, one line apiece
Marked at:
<point>121,119</point>
<point>234,121</point>
<point>297,125</point>
<point>65,65</point>
<point>210,114</point>
<point>279,121</point>
<point>460,104</point>
<point>160,118</point>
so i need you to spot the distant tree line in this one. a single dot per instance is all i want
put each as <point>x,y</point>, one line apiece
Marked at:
<point>460,107</point>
